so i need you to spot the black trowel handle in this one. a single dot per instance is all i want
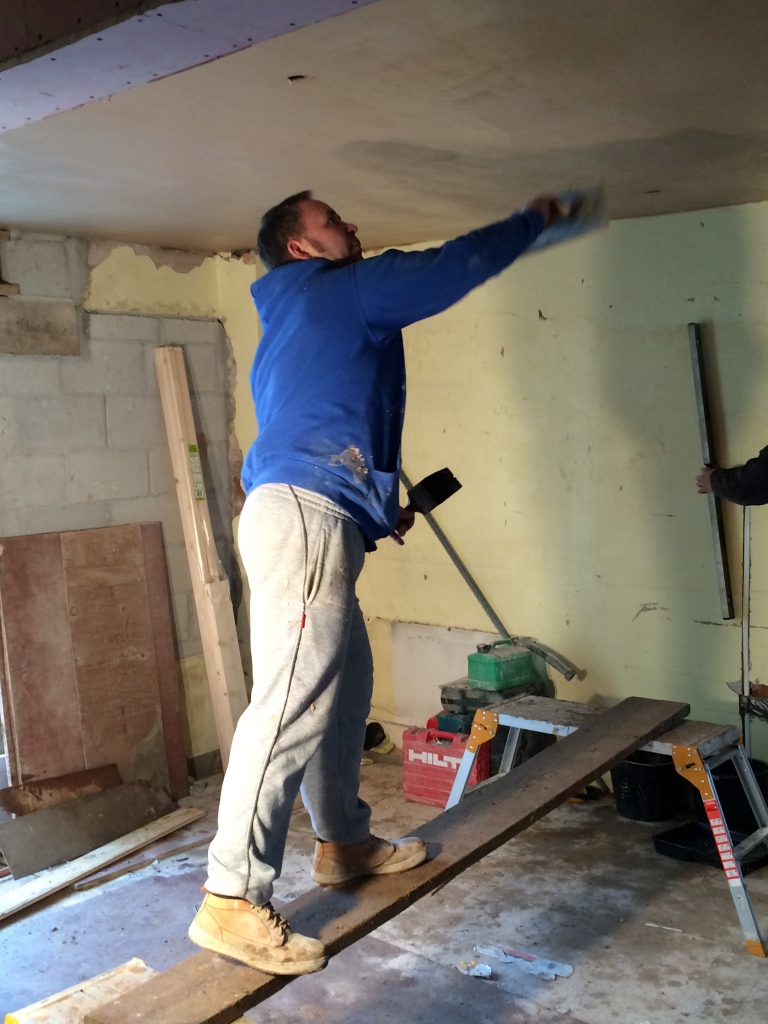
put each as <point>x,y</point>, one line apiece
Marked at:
<point>432,491</point>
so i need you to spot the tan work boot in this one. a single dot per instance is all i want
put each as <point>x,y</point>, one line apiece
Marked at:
<point>256,936</point>
<point>338,862</point>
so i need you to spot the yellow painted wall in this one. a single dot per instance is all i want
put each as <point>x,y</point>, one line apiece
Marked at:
<point>561,395</point>
<point>128,280</point>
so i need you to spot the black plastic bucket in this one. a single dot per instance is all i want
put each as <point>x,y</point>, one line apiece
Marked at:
<point>733,799</point>
<point>647,787</point>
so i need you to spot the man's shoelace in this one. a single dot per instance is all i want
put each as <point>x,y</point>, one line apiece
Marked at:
<point>274,919</point>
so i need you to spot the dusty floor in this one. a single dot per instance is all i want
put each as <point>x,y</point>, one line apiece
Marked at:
<point>651,940</point>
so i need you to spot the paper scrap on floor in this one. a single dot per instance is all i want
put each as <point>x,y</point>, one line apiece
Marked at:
<point>527,962</point>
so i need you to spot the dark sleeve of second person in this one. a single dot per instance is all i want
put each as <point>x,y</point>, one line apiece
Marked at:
<point>747,484</point>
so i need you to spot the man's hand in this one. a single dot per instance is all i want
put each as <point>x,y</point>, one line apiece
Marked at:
<point>704,481</point>
<point>548,207</point>
<point>405,521</point>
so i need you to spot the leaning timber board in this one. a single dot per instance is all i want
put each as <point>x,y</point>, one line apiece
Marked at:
<point>89,676</point>
<point>44,884</point>
<point>35,796</point>
<point>43,839</point>
<point>207,989</point>
<point>171,846</point>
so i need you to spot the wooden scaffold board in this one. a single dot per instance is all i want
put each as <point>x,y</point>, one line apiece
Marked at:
<point>207,989</point>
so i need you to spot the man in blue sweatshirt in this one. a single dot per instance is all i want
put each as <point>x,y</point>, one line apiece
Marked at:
<point>322,486</point>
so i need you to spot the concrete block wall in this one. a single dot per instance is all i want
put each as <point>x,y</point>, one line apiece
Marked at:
<point>45,266</point>
<point>49,273</point>
<point>82,438</point>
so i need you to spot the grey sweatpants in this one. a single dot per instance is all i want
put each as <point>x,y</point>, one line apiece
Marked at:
<point>312,685</point>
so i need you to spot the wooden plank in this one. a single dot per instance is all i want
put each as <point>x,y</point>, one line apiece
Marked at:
<point>68,1007</point>
<point>34,842</point>
<point>165,662</point>
<point>187,466</point>
<point>223,662</point>
<point>34,796</point>
<point>171,846</point>
<point>10,764</point>
<point>4,815</point>
<point>39,668</point>
<point>49,882</point>
<point>217,620</point>
<point>206,989</point>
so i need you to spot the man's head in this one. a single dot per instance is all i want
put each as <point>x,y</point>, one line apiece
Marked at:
<point>302,228</point>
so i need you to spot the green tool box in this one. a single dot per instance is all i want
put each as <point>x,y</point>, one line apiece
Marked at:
<point>500,666</point>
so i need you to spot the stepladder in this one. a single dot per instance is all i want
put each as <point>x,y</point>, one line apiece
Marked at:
<point>697,749</point>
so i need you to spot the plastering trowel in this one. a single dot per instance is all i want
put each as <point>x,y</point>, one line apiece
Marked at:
<point>432,491</point>
<point>583,210</point>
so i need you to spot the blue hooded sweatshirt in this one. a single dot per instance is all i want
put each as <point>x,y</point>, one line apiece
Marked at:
<point>328,380</point>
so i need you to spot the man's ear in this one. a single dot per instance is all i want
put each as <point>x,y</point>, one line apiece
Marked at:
<point>296,249</point>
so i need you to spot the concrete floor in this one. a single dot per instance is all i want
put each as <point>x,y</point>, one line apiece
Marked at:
<point>652,940</point>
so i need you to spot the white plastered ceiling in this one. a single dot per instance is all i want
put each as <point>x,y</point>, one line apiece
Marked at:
<point>417,119</point>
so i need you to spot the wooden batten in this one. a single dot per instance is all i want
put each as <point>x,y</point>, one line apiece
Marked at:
<point>209,583</point>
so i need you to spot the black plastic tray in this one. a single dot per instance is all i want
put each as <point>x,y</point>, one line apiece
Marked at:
<point>693,842</point>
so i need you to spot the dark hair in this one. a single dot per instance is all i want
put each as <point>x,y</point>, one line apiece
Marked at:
<point>277,227</point>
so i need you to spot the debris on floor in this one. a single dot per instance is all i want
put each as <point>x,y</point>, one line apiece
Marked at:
<point>474,969</point>
<point>527,962</point>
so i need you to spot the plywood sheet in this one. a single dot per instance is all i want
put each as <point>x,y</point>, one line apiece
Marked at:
<point>102,687</point>
<point>42,715</point>
<point>68,1007</point>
